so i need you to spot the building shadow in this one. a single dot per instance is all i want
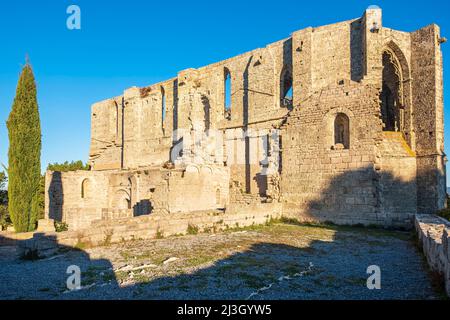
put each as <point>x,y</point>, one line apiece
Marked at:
<point>245,119</point>
<point>142,208</point>
<point>56,197</point>
<point>39,268</point>
<point>261,183</point>
<point>385,197</point>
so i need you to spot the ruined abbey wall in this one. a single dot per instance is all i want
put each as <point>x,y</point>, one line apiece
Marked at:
<point>81,197</point>
<point>130,131</point>
<point>340,123</point>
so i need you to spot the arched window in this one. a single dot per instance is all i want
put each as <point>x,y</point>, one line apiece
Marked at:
<point>286,88</point>
<point>227,95</point>
<point>163,106</point>
<point>391,109</point>
<point>131,187</point>
<point>341,132</point>
<point>85,188</point>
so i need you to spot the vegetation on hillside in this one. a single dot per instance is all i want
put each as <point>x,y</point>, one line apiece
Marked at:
<point>68,166</point>
<point>4,216</point>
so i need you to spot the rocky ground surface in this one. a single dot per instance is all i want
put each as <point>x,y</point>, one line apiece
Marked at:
<point>279,261</point>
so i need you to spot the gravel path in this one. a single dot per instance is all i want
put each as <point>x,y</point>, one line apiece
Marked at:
<point>280,261</point>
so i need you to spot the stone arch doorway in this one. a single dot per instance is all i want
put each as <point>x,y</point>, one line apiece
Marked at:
<point>121,200</point>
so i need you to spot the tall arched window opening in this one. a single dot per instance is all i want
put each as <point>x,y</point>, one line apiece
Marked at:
<point>131,186</point>
<point>206,113</point>
<point>163,106</point>
<point>391,107</point>
<point>227,95</point>
<point>286,88</point>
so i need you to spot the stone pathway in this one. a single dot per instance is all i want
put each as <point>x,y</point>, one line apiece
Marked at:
<point>280,261</point>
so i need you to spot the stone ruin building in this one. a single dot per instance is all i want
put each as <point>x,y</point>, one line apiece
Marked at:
<point>340,123</point>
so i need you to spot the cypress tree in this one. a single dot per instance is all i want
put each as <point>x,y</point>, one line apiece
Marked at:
<point>24,172</point>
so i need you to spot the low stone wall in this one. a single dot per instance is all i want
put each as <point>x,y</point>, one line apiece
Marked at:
<point>434,237</point>
<point>111,214</point>
<point>8,238</point>
<point>81,218</point>
<point>153,226</point>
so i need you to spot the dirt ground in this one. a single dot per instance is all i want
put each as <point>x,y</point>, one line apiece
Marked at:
<point>277,261</point>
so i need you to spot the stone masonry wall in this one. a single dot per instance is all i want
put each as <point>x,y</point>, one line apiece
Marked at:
<point>65,199</point>
<point>319,181</point>
<point>434,238</point>
<point>133,193</point>
<point>428,123</point>
<point>395,168</point>
<point>107,134</point>
<point>148,227</point>
<point>158,148</point>
<point>371,182</point>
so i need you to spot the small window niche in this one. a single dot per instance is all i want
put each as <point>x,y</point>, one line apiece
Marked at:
<point>341,132</point>
<point>85,188</point>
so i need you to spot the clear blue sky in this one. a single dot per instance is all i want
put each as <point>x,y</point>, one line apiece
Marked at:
<point>136,43</point>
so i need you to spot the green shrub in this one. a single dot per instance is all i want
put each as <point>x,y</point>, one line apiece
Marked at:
<point>68,166</point>
<point>192,229</point>
<point>3,192</point>
<point>61,226</point>
<point>5,220</point>
<point>159,234</point>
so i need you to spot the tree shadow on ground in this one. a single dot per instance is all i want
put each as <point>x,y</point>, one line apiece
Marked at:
<point>37,268</point>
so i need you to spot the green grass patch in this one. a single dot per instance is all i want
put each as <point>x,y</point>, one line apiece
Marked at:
<point>80,245</point>
<point>159,234</point>
<point>198,260</point>
<point>191,229</point>
<point>250,280</point>
<point>61,226</point>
